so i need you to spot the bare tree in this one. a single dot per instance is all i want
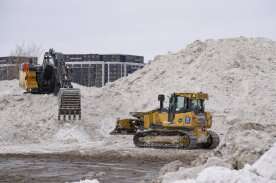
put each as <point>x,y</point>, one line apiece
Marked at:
<point>27,50</point>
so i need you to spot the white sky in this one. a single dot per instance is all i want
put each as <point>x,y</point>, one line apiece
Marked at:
<point>143,27</point>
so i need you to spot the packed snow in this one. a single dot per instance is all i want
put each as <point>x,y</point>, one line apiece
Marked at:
<point>237,73</point>
<point>88,181</point>
<point>262,171</point>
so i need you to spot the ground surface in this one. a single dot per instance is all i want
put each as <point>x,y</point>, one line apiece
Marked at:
<point>53,169</point>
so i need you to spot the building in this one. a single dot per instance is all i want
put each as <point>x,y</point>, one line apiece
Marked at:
<point>9,66</point>
<point>97,70</point>
<point>87,69</point>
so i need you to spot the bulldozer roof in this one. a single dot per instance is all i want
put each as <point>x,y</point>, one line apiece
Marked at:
<point>198,95</point>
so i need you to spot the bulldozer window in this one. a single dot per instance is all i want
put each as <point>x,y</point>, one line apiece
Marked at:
<point>180,103</point>
<point>197,105</point>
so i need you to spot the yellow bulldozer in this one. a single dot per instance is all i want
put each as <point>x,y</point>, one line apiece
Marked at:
<point>183,124</point>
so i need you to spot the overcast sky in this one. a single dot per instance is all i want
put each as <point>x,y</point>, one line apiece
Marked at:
<point>143,27</point>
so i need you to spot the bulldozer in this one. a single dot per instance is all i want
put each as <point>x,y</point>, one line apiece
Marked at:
<point>184,124</point>
<point>53,76</point>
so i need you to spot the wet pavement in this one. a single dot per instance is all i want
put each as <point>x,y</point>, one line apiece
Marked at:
<point>58,169</point>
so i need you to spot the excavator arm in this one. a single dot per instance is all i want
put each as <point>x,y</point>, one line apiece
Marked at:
<point>69,98</point>
<point>55,77</point>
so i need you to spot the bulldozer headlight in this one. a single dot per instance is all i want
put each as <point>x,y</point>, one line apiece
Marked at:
<point>188,120</point>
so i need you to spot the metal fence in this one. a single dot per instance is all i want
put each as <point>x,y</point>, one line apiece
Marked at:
<point>9,66</point>
<point>8,71</point>
<point>98,73</point>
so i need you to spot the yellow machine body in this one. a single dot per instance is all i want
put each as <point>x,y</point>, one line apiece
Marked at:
<point>187,120</point>
<point>27,78</point>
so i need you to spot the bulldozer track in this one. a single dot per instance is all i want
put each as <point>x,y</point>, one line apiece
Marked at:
<point>191,139</point>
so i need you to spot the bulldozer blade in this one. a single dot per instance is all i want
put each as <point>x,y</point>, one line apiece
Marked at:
<point>126,127</point>
<point>122,132</point>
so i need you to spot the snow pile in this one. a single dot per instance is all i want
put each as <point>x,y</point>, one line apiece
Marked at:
<point>246,142</point>
<point>237,74</point>
<point>9,87</point>
<point>72,134</point>
<point>266,165</point>
<point>262,171</point>
<point>178,170</point>
<point>26,118</point>
<point>88,181</point>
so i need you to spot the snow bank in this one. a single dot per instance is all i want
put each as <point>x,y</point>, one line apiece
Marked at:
<point>224,175</point>
<point>266,165</point>
<point>10,87</point>
<point>262,171</point>
<point>88,181</point>
<point>72,134</point>
<point>173,171</point>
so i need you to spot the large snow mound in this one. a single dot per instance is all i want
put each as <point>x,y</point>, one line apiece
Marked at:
<point>238,74</point>
<point>262,171</point>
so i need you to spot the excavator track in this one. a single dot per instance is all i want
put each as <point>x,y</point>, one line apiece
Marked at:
<point>165,139</point>
<point>69,103</point>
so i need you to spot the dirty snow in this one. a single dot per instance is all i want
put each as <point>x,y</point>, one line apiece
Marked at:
<point>262,171</point>
<point>238,74</point>
<point>88,181</point>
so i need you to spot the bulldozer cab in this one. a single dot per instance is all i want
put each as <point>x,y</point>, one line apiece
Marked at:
<point>186,102</point>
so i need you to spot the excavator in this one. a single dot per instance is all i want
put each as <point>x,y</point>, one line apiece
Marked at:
<point>53,76</point>
<point>184,124</point>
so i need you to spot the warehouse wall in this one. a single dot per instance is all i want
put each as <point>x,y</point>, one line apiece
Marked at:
<point>99,73</point>
<point>9,66</point>
<point>97,70</point>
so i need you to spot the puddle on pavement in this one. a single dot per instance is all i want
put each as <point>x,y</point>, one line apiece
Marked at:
<point>53,169</point>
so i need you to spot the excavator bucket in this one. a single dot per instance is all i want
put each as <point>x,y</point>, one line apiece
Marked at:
<point>69,103</point>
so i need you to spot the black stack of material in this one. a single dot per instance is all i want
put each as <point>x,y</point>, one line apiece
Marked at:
<point>82,57</point>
